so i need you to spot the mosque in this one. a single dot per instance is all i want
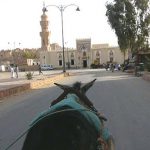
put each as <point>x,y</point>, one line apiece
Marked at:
<point>82,56</point>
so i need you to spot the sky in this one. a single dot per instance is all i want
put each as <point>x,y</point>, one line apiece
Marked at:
<point>20,23</point>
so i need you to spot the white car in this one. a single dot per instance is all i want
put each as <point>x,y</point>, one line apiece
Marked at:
<point>47,67</point>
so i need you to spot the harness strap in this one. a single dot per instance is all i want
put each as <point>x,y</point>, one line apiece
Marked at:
<point>103,143</point>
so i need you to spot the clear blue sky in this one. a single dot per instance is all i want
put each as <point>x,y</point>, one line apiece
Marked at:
<point>20,23</point>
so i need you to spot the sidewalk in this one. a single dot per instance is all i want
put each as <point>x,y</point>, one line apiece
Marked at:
<point>10,86</point>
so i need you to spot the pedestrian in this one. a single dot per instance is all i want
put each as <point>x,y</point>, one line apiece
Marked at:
<point>12,71</point>
<point>16,70</point>
<point>107,66</point>
<point>119,67</point>
<point>40,70</point>
<point>112,67</point>
<point>116,67</point>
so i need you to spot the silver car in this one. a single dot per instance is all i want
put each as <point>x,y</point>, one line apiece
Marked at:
<point>46,67</point>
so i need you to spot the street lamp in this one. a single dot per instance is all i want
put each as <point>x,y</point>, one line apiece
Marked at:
<point>68,62</point>
<point>61,8</point>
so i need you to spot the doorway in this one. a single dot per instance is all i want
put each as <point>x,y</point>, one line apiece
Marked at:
<point>84,63</point>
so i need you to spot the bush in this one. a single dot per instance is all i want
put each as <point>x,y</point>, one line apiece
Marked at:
<point>29,75</point>
<point>94,66</point>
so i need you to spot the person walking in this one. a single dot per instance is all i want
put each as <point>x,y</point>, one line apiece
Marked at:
<point>107,66</point>
<point>40,70</point>
<point>16,70</point>
<point>12,71</point>
<point>112,67</point>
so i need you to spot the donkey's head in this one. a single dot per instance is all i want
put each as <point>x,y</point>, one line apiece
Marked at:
<point>77,86</point>
<point>83,88</point>
<point>77,89</point>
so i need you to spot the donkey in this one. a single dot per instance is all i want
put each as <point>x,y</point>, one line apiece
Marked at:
<point>71,123</point>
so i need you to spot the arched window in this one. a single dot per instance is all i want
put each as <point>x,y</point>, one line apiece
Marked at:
<point>111,56</point>
<point>60,56</point>
<point>84,54</point>
<point>97,54</point>
<point>60,59</point>
<point>72,55</point>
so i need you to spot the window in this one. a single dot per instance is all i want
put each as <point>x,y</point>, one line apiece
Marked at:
<point>72,61</point>
<point>111,56</point>
<point>84,54</point>
<point>72,55</point>
<point>97,54</point>
<point>60,56</point>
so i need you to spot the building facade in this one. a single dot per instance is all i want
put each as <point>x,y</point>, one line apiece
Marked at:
<point>82,56</point>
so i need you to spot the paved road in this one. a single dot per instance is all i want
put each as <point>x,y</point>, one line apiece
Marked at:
<point>124,99</point>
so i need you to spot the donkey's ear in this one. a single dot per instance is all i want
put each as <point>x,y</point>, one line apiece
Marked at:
<point>63,87</point>
<point>85,87</point>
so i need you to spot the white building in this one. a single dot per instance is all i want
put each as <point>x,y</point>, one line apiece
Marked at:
<point>83,56</point>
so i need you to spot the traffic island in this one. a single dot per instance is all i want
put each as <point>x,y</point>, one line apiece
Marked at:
<point>47,81</point>
<point>130,71</point>
<point>146,76</point>
<point>66,74</point>
<point>14,90</point>
<point>30,84</point>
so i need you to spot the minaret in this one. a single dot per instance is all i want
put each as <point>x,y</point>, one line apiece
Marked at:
<point>45,44</point>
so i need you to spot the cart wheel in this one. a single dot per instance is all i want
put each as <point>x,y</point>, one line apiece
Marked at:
<point>111,143</point>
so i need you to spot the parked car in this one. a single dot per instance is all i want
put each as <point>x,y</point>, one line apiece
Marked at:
<point>46,67</point>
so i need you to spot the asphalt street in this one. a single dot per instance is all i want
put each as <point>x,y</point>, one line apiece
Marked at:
<point>122,98</point>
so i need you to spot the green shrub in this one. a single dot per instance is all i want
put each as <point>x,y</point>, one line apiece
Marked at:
<point>93,66</point>
<point>29,75</point>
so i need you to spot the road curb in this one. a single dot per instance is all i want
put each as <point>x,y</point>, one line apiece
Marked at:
<point>14,90</point>
<point>49,80</point>
<point>146,76</point>
<point>31,85</point>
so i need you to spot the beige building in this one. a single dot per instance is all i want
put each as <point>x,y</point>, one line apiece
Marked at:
<point>83,56</point>
<point>5,57</point>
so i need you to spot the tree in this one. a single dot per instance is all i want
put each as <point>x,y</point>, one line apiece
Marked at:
<point>131,21</point>
<point>143,24</point>
<point>29,54</point>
